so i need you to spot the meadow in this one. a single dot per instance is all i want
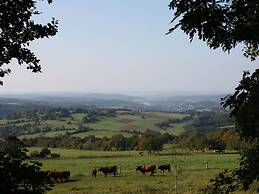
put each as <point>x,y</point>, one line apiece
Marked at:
<point>122,123</point>
<point>192,172</point>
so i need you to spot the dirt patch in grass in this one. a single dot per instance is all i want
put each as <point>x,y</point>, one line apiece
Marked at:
<point>125,120</point>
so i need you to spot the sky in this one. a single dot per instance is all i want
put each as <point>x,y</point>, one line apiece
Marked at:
<point>120,46</point>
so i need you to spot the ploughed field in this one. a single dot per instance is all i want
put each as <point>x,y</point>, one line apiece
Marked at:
<point>192,172</point>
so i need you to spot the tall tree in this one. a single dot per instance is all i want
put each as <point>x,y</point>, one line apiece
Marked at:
<point>18,175</point>
<point>226,24</point>
<point>17,31</point>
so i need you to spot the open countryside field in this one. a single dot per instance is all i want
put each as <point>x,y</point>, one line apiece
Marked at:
<point>109,126</point>
<point>192,178</point>
<point>138,121</point>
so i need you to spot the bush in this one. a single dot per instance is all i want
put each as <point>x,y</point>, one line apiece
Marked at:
<point>55,155</point>
<point>35,154</point>
<point>45,152</point>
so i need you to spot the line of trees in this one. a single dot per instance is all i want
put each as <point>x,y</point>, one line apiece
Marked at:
<point>214,140</point>
<point>43,153</point>
<point>149,140</point>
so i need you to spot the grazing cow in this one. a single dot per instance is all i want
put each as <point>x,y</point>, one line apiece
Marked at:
<point>58,176</point>
<point>94,172</point>
<point>53,176</point>
<point>162,168</point>
<point>108,170</point>
<point>147,168</point>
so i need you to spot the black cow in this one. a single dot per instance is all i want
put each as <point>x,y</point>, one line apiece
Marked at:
<point>162,168</point>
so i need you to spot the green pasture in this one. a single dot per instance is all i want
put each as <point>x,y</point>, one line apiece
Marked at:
<point>137,121</point>
<point>78,116</point>
<point>60,123</point>
<point>192,178</point>
<point>110,126</point>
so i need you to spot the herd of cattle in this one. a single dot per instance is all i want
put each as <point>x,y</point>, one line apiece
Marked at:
<point>63,176</point>
<point>143,169</point>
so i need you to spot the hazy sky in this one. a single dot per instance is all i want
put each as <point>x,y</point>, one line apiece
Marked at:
<point>120,46</point>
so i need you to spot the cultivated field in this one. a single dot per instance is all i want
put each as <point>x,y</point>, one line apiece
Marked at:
<point>193,173</point>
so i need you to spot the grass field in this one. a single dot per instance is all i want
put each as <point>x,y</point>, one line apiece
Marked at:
<point>110,126</point>
<point>139,121</point>
<point>194,174</point>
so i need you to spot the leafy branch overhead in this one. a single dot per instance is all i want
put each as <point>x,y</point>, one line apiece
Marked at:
<point>18,30</point>
<point>244,106</point>
<point>226,24</point>
<point>219,23</point>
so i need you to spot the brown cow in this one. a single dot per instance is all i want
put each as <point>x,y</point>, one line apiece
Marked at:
<point>94,172</point>
<point>65,175</point>
<point>108,170</point>
<point>147,168</point>
<point>162,168</point>
<point>53,176</point>
<point>58,176</point>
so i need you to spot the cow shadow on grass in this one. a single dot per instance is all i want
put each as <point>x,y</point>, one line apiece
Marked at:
<point>121,175</point>
<point>67,182</point>
<point>72,180</point>
<point>163,175</point>
<point>117,176</point>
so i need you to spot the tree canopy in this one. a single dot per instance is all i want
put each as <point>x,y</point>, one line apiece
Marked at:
<point>18,175</point>
<point>226,24</point>
<point>17,30</point>
<point>221,23</point>
<point>244,106</point>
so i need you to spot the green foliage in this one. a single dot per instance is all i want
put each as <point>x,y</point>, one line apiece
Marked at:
<point>18,175</point>
<point>45,152</point>
<point>149,140</point>
<point>248,171</point>
<point>197,141</point>
<point>244,106</point>
<point>221,23</point>
<point>18,30</point>
<point>231,139</point>
<point>55,155</point>
<point>226,24</point>
<point>225,182</point>
<point>35,154</point>
<point>209,120</point>
<point>220,140</point>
